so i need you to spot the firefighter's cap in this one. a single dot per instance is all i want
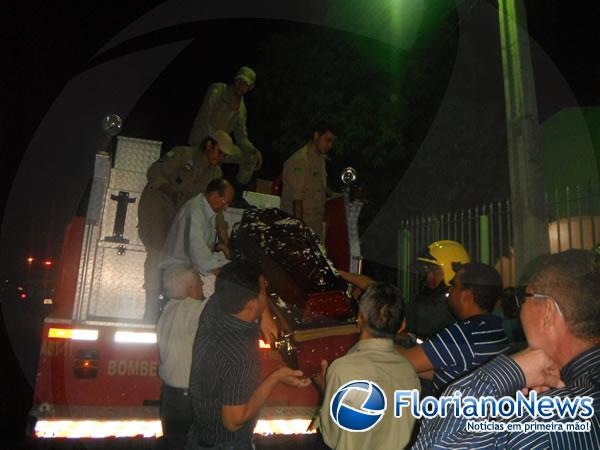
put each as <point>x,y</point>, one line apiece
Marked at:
<point>444,254</point>
<point>224,140</point>
<point>247,75</point>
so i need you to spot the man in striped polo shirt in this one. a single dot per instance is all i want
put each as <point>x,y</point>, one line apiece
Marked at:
<point>227,393</point>
<point>561,320</point>
<point>474,339</point>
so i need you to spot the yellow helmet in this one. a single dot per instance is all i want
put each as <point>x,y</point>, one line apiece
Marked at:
<point>444,254</point>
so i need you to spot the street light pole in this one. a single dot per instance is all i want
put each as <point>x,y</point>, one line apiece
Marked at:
<point>525,159</point>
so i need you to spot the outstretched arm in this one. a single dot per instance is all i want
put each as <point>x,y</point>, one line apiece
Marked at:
<point>235,416</point>
<point>358,280</point>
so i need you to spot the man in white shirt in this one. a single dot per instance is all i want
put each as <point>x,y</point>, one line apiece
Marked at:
<point>192,237</point>
<point>191,241</point>
<point>179,175</point>
<point>175,331</point>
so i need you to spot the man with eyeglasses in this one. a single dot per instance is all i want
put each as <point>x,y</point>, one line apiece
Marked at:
<point>182,173</point>
<point>474,339</point>
<point>192,237</point>
<point>561,320</point>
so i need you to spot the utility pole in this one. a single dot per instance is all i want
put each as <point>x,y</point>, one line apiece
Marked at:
<point>525,159</point>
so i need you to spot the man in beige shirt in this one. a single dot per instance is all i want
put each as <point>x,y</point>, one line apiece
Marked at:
<point>179,175</point>
<point>305,180</point>
<point>223,108</point>
<point>373,358</point>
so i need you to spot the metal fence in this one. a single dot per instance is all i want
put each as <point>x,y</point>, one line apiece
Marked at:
<point>486,232</point>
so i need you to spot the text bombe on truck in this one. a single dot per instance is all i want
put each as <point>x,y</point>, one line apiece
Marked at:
<point>98,368</point>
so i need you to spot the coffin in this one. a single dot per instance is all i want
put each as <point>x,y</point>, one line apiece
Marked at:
<point>313,305</point>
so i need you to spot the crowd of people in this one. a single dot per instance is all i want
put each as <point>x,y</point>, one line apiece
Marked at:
<point>218,307</point>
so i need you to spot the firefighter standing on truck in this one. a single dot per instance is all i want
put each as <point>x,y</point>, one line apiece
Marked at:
<point>223,108</point>
<point>172,180</point>
<point>305,179</point>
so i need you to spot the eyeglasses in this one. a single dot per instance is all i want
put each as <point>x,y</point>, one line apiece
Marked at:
<point>521,296</point>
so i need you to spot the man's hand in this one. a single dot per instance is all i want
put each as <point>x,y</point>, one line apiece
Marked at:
<point>259,161</point>
<point>333,194</point>
<point>540,371</point>
<point>223,248</point>
<point>319,379</point>
<point>292,377</point>
<point>360,281</point>
<point>268,327</point>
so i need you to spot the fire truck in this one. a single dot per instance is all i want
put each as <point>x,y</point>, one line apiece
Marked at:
<point>98,369</point>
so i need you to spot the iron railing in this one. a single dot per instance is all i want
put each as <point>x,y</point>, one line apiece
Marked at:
<point>486,232</point>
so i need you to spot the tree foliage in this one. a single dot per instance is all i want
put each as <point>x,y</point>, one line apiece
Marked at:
<point>329,75</point>
<point>382,98</point>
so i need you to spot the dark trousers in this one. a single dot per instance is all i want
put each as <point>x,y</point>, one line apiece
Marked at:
<point>232,445</point>
<point>176,416</point>
<point>195,443</point>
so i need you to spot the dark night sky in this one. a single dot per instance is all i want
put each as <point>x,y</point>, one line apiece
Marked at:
<point>48,44</point>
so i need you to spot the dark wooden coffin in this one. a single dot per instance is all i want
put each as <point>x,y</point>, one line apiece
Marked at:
<point>315,311</point>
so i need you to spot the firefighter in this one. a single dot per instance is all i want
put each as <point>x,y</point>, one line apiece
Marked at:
<point>428,313</point>
<point>305,179</point>
<point>223,108</point>
<point>178,176</point>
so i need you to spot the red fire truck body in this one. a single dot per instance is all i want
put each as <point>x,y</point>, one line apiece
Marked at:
<point>98,369</point>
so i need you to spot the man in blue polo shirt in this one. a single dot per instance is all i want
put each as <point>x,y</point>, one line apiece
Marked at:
<point>475,338</point>
<point>225,384</point>
<point>561,319</point>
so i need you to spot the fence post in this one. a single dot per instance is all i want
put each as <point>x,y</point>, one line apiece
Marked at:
<point>484,239</point>
<point>404,256</point>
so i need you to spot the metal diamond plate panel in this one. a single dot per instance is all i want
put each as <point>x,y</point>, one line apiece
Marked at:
<point>86,269</point>
<point>96,200</point>
<point>127,180</point>
<point>118,283</point>
<point>135,154</point>
<point>131,219</point>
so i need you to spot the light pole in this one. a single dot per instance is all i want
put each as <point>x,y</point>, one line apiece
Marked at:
<point>525,158</point>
